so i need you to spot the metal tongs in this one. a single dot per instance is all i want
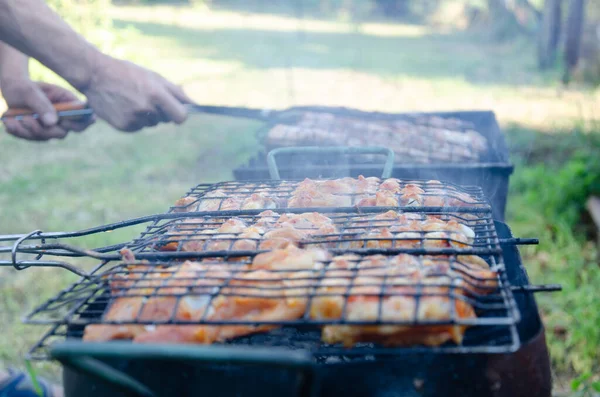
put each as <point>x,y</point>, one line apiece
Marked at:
<point>76,110</point>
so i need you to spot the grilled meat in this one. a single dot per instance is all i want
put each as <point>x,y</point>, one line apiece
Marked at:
<point>420,140</point>
<point>344,192</point>
<point>276,287</point>
<point>401,289</point>
<point>391,229</point>
<point>207,298</point>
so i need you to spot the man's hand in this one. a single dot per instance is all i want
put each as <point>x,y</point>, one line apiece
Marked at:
<point>39,97</point>
<point>130,97</point>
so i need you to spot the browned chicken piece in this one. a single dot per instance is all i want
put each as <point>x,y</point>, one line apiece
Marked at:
<point>225,204</point>
<point>211,199</point>
<point>379,238</point>
<point>434,201</point>
<point>391,185</point>
<point>389,216</point>
<point>308,226</point>
<point>365,201</point>
<point>309,220</point>
<point>327,236</point>
<point>291,234</point>
<point>268,214</point>
<point>411,188</point>
<point>196,242</point>
<point>258,201</point>
<point>336,187</point>
<point>476,275</point>
<point>406,230</point>
<point>306,185</point>
<point>233,234</point>
<point>412,200</point>
<point>381,199</point>
<point>127,255</point>
<point>179,231</point>
<point>384,289</point>
<point>385,219</point>
<point>131,303</point>
<point>267,219</point>
<point>366,185</point>
<point>314,198</point>
<point>459,199</point>
<point>291,258</point>
<point>185,204</point>
<point>233,226</point>
<point>276,289</point>
<point>386,199</point>
<point>248,239</point>
<point>199,282</point>
<point>275,243</point>
<point>408,240</point>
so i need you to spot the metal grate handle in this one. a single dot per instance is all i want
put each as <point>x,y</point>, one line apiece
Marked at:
<point>87,358</point>
<point>387,168</point>
<point>537,288</point>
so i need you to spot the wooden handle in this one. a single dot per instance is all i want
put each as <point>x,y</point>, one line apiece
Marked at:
<point>59,107</point>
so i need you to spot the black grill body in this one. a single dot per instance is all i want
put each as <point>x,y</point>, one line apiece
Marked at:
<point>492,173</point>
<point>523,373</point>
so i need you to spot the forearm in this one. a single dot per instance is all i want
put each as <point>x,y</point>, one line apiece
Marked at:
<point>31,27</point>
<point>13,64</point>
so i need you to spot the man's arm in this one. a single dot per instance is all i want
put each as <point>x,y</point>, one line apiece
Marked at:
<point>33,28</point>
<point>126,95</point>
<point>13,64</point>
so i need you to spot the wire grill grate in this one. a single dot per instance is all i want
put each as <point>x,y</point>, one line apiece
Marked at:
<point>164,287</point>
<point>417,232</point>
<point>367,192</point>
<point>327,289</point>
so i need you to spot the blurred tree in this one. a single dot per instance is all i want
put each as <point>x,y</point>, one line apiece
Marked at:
<point>549,33</point>
<point>503,19</point>
<point>575,22</point>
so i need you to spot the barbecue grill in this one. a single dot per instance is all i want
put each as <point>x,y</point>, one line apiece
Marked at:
<point>503,351</point>
<point>491,170</point>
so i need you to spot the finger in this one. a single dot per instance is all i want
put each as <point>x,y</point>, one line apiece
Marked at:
<point>153,119</point>
<point>76,124</point>
<point>37,101</point>
<point>162,116</point>
<point>171,107</point>
<point>40,133</point>
<point>34,127</point>
<point>15,128</point>
<point>55,132</point>
<point>58,94</point>
<point>178,93</point>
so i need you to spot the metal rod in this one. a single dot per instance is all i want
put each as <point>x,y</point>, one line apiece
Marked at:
<point>537,288</point>
<point>519,241</point>
<point>22,265</point>
<point>176,215</point>
<point>350,150</point>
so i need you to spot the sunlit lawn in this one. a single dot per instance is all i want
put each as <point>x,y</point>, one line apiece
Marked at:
<point>259,60</point>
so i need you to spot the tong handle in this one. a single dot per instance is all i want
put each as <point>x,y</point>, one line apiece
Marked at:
<point>387,168</point>
<point>64,109</point>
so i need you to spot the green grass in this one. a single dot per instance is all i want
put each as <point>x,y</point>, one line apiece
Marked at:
<point>260,60</point>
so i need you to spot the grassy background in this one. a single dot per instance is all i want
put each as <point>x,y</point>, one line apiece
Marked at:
<point>271,59</point>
